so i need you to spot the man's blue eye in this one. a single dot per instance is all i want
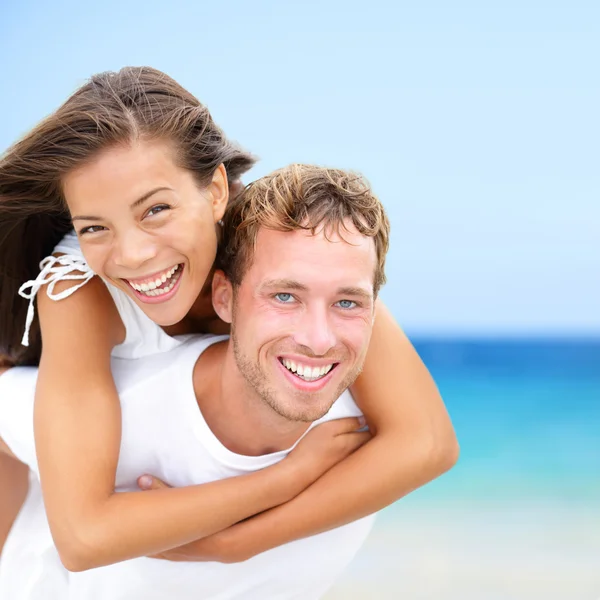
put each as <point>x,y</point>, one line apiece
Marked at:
<point>346,304</point>
<point>285,298</point>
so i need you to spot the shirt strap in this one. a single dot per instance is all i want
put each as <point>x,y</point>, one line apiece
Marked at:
<point>52,270</point>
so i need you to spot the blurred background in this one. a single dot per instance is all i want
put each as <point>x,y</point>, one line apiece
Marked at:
<point>478,126</point>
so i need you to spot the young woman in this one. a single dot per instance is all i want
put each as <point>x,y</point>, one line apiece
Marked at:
<point>135,163</point>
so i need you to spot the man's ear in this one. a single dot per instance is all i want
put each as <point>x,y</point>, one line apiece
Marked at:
<point>222,296</point>
<point>219,192</point>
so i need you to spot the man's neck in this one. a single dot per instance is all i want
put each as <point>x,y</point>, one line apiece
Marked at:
<point>238,417</point>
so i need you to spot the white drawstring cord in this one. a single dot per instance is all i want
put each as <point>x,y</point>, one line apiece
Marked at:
<point>52,270</point>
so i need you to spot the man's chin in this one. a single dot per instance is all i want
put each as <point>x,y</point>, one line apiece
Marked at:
<point>300,411</point>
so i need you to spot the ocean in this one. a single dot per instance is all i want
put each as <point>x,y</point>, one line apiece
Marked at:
<point>518,518</point>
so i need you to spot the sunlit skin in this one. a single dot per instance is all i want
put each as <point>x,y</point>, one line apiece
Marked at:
<point>139,215</point>
<point>307,299</point>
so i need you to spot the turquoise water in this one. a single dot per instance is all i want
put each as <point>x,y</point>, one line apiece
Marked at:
<point>527,416</point>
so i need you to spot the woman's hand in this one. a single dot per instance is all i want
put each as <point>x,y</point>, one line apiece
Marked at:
<point>326,445</point>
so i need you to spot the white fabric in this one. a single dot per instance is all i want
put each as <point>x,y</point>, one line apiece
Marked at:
<point>165,434</point>
<point>69,244</point>
<point>143,337</point>
<point>30,568</point>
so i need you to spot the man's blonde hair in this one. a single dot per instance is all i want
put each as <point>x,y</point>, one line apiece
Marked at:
<point>302,197</point>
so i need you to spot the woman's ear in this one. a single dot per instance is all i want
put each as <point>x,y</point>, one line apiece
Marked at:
<point>222,296</point>
<point>219,192</point>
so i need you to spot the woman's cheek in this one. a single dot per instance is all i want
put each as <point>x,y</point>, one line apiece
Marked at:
<point>96,260</point>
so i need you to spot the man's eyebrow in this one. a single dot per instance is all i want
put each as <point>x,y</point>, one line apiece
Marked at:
<point>355,291</point>
<point>288,284</point>
<point>135,204</point>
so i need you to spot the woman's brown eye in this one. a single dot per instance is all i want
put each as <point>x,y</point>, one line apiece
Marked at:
<point>156,209</point>
<point>91,229</point>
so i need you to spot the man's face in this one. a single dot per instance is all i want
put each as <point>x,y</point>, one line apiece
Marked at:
<point>302,318</point>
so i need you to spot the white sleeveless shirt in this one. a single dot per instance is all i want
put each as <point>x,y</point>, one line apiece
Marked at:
<point>142,335</point>
<point>164,433</point>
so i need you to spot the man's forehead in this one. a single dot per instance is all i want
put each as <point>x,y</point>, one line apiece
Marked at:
<point>344,258</point>
<point>346,233</point>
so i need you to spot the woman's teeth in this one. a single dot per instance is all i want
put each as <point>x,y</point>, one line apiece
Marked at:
<point>159,286</point>
<point>305,372</point>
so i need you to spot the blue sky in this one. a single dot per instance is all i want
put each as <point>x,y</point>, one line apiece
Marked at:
<point>477,124</point>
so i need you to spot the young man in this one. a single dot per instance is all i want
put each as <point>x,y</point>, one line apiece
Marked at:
<point>304,251</point>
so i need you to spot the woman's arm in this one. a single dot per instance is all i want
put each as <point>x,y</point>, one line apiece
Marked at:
<point>413,443</point>
<point>77,428</point>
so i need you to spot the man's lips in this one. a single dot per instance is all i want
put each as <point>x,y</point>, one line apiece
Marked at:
<point>308,370</point>
<point>305,381</point>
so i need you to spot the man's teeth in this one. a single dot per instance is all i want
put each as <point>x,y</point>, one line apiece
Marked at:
<point>151,288</point>
<point>305,372</point>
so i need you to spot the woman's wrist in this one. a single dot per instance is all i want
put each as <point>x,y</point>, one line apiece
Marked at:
<point>296,475</point>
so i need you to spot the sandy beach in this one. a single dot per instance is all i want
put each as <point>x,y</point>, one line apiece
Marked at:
<point>544,552</point>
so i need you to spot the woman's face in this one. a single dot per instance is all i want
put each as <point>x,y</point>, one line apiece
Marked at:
<point>145,225</point>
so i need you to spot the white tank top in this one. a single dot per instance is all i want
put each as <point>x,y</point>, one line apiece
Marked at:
<point>142,335</point>
<point>164,433</point>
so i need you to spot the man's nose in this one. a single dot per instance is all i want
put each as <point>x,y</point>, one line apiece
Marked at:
<point>315,331</point>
